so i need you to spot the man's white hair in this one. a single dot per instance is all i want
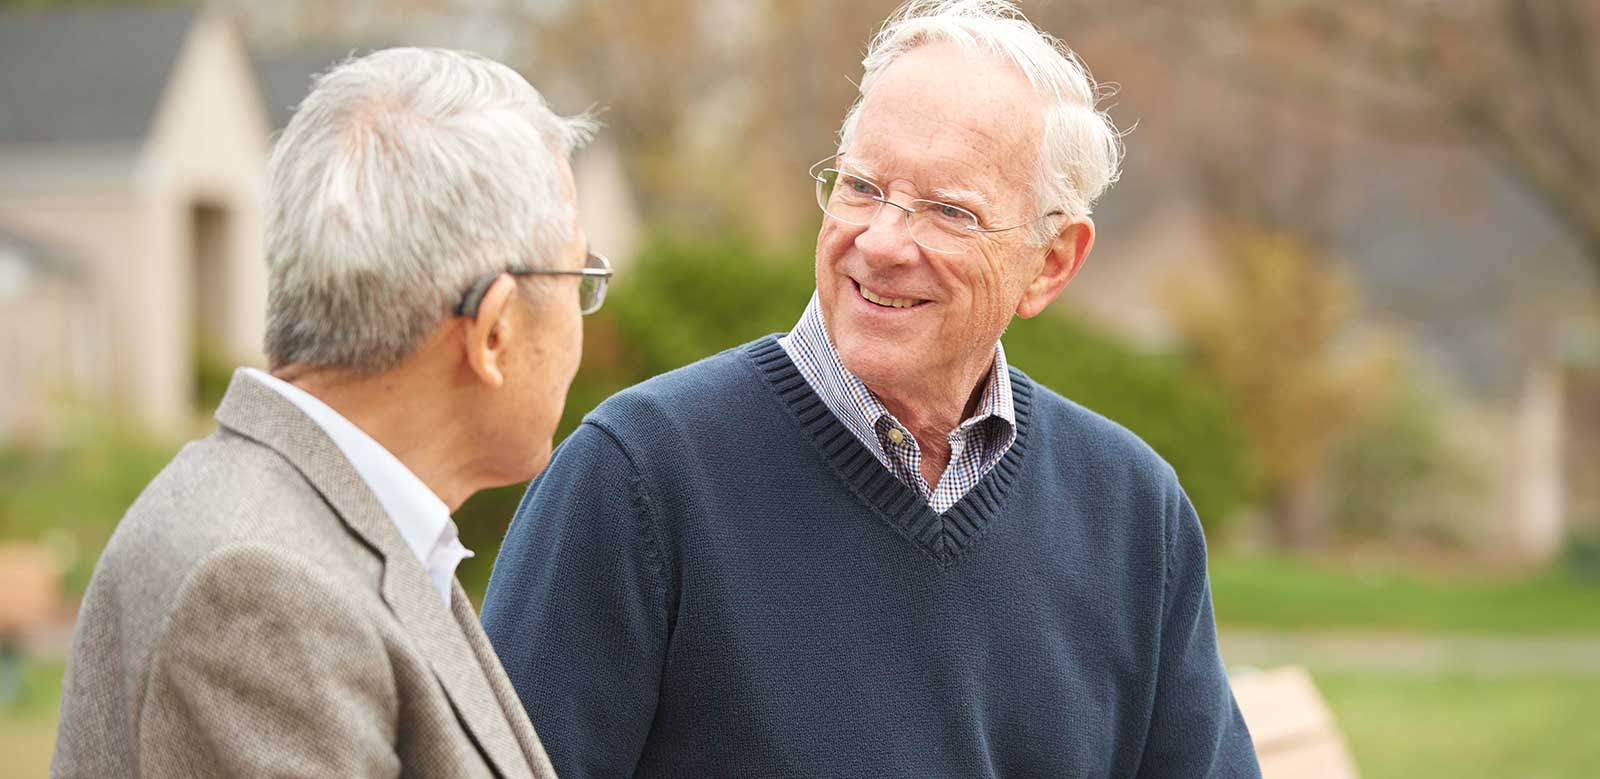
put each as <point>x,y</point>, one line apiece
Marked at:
<point>404,176</point>
<point>1080,151</point>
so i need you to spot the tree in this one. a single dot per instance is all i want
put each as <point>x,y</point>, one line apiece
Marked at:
<point>1520,78</point>
<point>1273,327</point>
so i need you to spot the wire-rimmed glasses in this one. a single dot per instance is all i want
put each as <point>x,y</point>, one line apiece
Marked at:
<point>938,227</point>
<point>596,273</point>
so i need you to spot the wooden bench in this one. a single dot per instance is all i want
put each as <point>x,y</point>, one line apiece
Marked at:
<point>1295,734</point>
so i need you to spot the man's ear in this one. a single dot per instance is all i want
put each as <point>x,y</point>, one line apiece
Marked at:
<point>1064,257</point>
<point>488,334</point>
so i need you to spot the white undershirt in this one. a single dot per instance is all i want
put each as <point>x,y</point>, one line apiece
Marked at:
<point>423,519</point>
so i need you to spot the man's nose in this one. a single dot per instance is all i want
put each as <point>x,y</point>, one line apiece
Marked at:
<point>887,239</point>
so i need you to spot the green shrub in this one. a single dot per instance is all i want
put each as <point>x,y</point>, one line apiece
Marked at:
<point>1176,411</point>
<point>71,494</point>
<point>683,299</point>
<point>680,300</point>
<point>1408,473</point>
<point>1581,557</point>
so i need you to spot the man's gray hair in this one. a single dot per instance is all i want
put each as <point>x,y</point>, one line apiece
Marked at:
<point>1080,153</point>
<point>404,176</point>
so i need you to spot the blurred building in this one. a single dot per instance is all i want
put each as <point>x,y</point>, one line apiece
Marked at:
<point>48,332</point>
<point>132,142</point>
<point>132,152</point>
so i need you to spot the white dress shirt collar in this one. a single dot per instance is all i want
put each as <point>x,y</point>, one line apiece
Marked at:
<point>422,518</point>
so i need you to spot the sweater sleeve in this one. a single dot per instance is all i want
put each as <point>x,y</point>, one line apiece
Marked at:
<point>1196,729</point>
<point>576,608</point>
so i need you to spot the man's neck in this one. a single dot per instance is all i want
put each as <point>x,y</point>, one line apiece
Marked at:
<point>931,409</point>
<point>397,409</point>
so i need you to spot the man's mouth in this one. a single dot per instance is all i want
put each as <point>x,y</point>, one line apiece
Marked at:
<point>885,301</point>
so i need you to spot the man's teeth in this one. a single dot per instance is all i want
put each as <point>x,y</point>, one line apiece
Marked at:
<point>890,302</point>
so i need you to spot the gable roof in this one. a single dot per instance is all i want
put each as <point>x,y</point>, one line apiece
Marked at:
<point>86,76</point>
<point>285,74</point>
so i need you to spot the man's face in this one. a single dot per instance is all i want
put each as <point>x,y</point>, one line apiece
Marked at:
<point>948,125</point>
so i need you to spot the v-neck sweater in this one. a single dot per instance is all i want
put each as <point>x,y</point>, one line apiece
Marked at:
<point>714,577</point>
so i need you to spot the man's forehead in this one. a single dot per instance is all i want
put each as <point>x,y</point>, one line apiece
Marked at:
<point>954,178</point>
<point>944,82</point>
<point>939,178</point>
<point>968,130</point>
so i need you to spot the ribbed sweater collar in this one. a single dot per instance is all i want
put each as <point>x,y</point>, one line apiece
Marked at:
<point>944,537</point>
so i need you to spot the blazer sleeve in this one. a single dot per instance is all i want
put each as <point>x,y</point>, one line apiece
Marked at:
<point>577,607</point>
<point>1196,729</point>
<point>263,669</point>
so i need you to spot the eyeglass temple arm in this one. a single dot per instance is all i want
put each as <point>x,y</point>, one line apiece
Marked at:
<point>468,307</point>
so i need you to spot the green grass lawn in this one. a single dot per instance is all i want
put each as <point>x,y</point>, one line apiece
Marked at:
<point>1398,725</point>
<point>1413,725</point>
<point>28,724</point>
<point>26,743</point>
<point>1285,593</point>
<point>1416,727</point>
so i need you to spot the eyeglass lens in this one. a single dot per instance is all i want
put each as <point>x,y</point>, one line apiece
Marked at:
<point>940,227</point>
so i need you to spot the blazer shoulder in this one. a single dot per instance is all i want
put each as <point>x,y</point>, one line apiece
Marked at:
<point>218,492</point>
<point>217,488</point>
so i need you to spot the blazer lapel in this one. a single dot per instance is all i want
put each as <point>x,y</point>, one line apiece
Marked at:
<point>410,594</point>
<point>257,411</point>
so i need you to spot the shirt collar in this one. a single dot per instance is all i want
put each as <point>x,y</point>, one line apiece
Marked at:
<point>422,518</point>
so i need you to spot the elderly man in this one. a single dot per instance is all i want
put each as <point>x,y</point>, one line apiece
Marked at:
<point>281,600</point>
<point>870,547</point>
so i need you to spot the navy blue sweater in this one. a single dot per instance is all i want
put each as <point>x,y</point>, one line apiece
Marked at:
<point>715,578</point>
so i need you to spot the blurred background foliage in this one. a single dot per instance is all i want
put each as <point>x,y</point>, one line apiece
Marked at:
<point>1274,328</point>
<point>69,494</point>
<point>1347,287</point>
<point>685,298</point>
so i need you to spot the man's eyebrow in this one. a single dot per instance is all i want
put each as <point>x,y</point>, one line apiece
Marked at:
<point>858,168</point>
<point>969,196</point>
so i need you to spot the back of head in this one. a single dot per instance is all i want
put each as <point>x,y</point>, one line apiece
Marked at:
<point>1080,152</point>
<point>404,176</point>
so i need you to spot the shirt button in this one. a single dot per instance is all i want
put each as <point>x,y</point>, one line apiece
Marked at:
<point>896,437</point>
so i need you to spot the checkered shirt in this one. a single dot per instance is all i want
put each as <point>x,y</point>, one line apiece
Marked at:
<point>975,445</point>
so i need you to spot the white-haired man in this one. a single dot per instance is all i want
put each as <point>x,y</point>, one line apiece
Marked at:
<point>869,547</point>
<point>281,599</point>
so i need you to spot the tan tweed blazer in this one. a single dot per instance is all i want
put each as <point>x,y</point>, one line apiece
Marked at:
<point>257,613</point>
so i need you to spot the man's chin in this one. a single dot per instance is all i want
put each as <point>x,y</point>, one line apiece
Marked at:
<point>524,470</point>
<point>877,363</point>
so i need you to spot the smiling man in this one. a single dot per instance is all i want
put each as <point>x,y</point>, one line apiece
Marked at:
<point>871,547</point>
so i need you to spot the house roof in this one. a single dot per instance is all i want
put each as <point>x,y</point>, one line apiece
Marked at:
<point>97,75</point>
<point>285,74</point>
<point>86,76</point>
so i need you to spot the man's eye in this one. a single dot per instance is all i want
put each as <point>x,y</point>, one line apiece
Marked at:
<point>951,212</point>
<point>860,187</point>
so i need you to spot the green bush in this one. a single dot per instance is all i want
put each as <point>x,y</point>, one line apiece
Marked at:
<point>1406,474</point>
<point>680,300</point>
<point>1177,412</point>
<point>683,299</point>
<point>71,494</point>
<point>1581,557</point>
